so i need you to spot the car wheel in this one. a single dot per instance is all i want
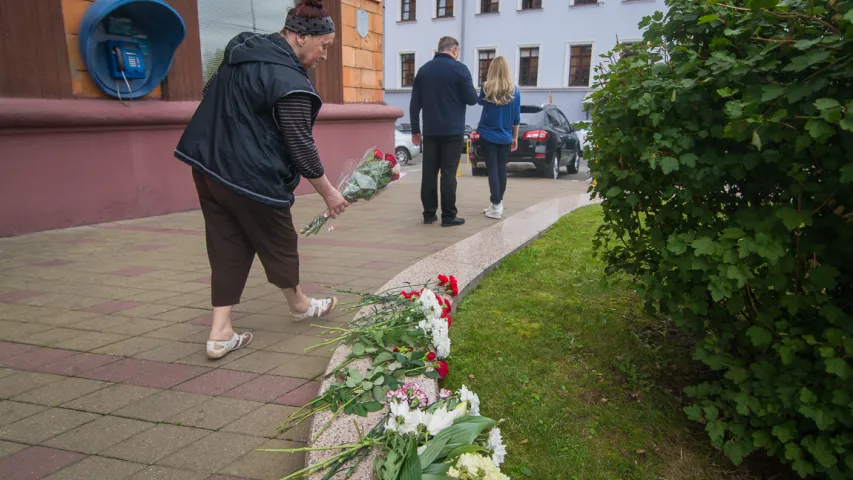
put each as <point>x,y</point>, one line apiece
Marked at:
<point>574,165</point>
<point>552,168</point>
<point>403,156</point>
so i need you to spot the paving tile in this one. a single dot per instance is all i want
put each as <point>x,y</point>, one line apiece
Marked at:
<point>97,468</point>
<point>67,318</point>
<point>170,351</point>
<point>302,367</point>
<point>111,398</point>
<point>55,262</point>
<point>167,375</point>
<point>152,296</point>
<point>18,295</point>
<point>200,358</point>
<point>17,331</point>
<point>130,347</point>
<point>8,448</point>
<point>181,314</point>
<point>122,325</point>
<point>262,422</point>
<point>300,396</point>
<point>23,382</point>
<point>91,341</point>
<point>264,338</point>
<point>52,337</point>
<point>122,370</point>
<point>193,300</point>
<point>261,361</point>
<point>176,331</point>
<point>77,364</point>
<point>215,413</point>
<point>5,372</point>
<point>148,247</point>
<point>112,307</point>
<point>268,466</point>
<point>215,382</point>
<point>225,477</point>
<point>101,323</point>
<point>213,452</point>
<point>149,310</point>
<point>131,271</point>
<point>265,388</point>
<point>35,463</point>
<point>155,444</point>
<point>35,357</point>
<point>298,344</point>
<point>45,425</point>
<point>97,436</point>
<point>11,412</point>
<point>8,349</point>
<point>161,406</point>
<point>158,472</point>
<point>60,392</point>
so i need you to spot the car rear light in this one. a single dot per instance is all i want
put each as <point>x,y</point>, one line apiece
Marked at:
<point>474,135</point>
<point>536,135</point>
<point>540,155</point>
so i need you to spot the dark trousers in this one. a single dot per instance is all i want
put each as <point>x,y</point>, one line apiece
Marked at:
<point>496,157</point>
<point>440,154</point>
<point>236,228</point>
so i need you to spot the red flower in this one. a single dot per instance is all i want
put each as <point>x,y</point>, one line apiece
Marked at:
<point>430,356</point>
<point>391,159</point>
<point>442,369</point>
<point>395,350</point>
<point>378,154</point>
<point>449,319</point>
<point>450,284</point>
<point>410,295</point>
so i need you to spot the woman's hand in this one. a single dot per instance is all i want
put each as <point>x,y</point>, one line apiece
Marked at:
<point>514,145</point>
<point>335,202</point>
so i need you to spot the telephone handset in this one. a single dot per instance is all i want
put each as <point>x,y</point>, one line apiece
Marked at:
<point>126,60</point>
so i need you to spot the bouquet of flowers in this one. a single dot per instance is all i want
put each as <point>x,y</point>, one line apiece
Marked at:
<point>361,180</point>
<point>446,439</point>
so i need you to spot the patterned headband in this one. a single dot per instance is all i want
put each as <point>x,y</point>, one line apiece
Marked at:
<point>309,26</point>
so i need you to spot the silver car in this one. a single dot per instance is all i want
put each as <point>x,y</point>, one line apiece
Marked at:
<point>404,149</point>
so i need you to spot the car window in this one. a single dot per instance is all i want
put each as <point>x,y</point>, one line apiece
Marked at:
<point>564,122</point>
<point>532,118</point>
<point>555,121</point>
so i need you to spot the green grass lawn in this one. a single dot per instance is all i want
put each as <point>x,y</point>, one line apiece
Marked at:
<point>588,384</point>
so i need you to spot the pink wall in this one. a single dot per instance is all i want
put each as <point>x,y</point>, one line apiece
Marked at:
<point>66,163</point>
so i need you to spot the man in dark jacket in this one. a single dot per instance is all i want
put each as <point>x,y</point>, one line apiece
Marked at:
<point>442,89</point>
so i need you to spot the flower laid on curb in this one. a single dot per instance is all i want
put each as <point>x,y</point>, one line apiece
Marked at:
<point>362,180</point>
<point>404,334</point>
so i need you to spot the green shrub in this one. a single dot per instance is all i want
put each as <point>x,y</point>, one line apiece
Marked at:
<point>723,152</point>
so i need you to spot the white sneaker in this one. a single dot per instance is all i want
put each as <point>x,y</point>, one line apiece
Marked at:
<point>486,210</point>
<point>496,211</point>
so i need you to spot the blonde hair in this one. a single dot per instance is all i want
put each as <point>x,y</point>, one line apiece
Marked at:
<point>499,87</point>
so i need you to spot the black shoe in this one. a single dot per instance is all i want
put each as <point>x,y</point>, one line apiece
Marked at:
<point>452,222</point>
<point>430,220</point>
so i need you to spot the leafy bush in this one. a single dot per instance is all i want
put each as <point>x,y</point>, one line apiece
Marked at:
<point>723,152</point>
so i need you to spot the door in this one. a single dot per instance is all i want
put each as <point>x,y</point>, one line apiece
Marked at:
<point>563,132</point>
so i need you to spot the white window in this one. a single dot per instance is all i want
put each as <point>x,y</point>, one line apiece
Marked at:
<point>573,3</point>
<point>407,69</point>
<point>579,64</point>
<point>408,11</point>
<point>488,6</point>
<point>484,56</point>
<point>221,20</point>
<point>527,65</point>
<point>530,5</point>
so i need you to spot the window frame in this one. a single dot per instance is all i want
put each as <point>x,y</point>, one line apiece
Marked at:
<point>574,3</point>
<point>400,69</point>
<point>477,50</point>
<point>413,11</point>
<point>447,4</point>
<point>568,73</point>
<point>518,50</point>
<point>495,3</point>
<point>520,6</point>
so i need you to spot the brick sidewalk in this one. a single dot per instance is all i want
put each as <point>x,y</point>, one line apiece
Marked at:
<point>102,366</point>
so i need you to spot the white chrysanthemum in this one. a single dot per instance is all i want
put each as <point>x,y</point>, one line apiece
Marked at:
<point>399,413</point>
<point>414,419</point>
<point>495,446</point>
<point>441,338</point>
<point>473,400</point>
<point>429,304</point>
<point>441,419</point>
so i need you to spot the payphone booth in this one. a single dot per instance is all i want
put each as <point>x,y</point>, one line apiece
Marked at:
<point>128,45</point>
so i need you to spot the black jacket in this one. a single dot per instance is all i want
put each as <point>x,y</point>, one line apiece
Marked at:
<point>442,89</point>
<point>233,137</point>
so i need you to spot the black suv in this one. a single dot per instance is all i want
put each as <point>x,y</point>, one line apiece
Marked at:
<point>546,140</point>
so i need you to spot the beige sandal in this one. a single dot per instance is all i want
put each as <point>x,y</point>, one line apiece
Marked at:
<point>317,309</point>
<point>219,348</point>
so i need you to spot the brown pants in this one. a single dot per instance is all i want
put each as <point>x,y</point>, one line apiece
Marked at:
<point>236,228</point>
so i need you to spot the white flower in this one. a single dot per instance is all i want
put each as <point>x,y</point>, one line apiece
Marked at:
<point>496,447</point>
<point>441,419</point>
<point>414,419</point>
<point>441,338</point>
<point>429,304</point>
<point>471,466</point>
<point>421,449</point>
<point>444,393</point>
<point>468,396</point>
<point>397,419</point>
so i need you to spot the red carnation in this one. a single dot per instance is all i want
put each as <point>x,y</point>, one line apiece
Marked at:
<point>442,280</point>
<point>442,369</point>
<point>430,356</point>
<point>449,319</point>
<point>378,154</point>
<point>450,284</point>
<point>395,350</point>
<point>391,159</point>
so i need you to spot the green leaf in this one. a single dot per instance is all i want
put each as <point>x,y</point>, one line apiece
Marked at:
<point>717,432</point>
<point>688,159</point>
<point>821,449</point>
<point>786,431</point>
<point>756,140</point>
<point>737,451</point>
<point>669,164</point>
<point>802,62</point>
<point>726,92</point>
<point>373,406</point>
<point>806,396</point>
<point>838,367</point>
<point>823,277</point>
<point>792,218</point>
<point>676,245</point>
<point>705,246</point>
<point>762,439</point>
<point>383,357</point>
<point>358,349</point>
<point>707,19</point>
<point>760,336</point>
<point>846,173</point>
<point>830,109</point>
<point>819,129</point>
<point>771,92</point>
<point>379,394</point>
<point>612,192</point>
<point>694,412</point>
<point>433,449</point>
<point>737,375</point>
<point>411,469</point>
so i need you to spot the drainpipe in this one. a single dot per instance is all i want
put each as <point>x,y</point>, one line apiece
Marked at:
<point>462,33</point>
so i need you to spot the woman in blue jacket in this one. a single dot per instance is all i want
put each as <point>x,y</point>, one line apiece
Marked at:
<point>498,129</point>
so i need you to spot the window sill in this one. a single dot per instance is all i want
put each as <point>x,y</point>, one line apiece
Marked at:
<point>439,19</point>
<point>586,5</point>
<point>486,14</point>
<point>638,1</point>
<point>525,10</point>
<point>403,22</point>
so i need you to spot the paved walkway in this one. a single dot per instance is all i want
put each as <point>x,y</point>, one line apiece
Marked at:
<point>102,368</point>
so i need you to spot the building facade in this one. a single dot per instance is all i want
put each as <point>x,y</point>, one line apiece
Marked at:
<point>551,45</point>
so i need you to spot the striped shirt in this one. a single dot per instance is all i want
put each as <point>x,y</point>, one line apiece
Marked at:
<point>293,118</point>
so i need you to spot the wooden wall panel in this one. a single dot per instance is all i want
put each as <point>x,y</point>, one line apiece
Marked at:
<point>185,81</point>
<point>33,56</point>
<point>328,76</point>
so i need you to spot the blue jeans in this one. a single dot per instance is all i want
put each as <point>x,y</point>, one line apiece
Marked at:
<point>496,157</point>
